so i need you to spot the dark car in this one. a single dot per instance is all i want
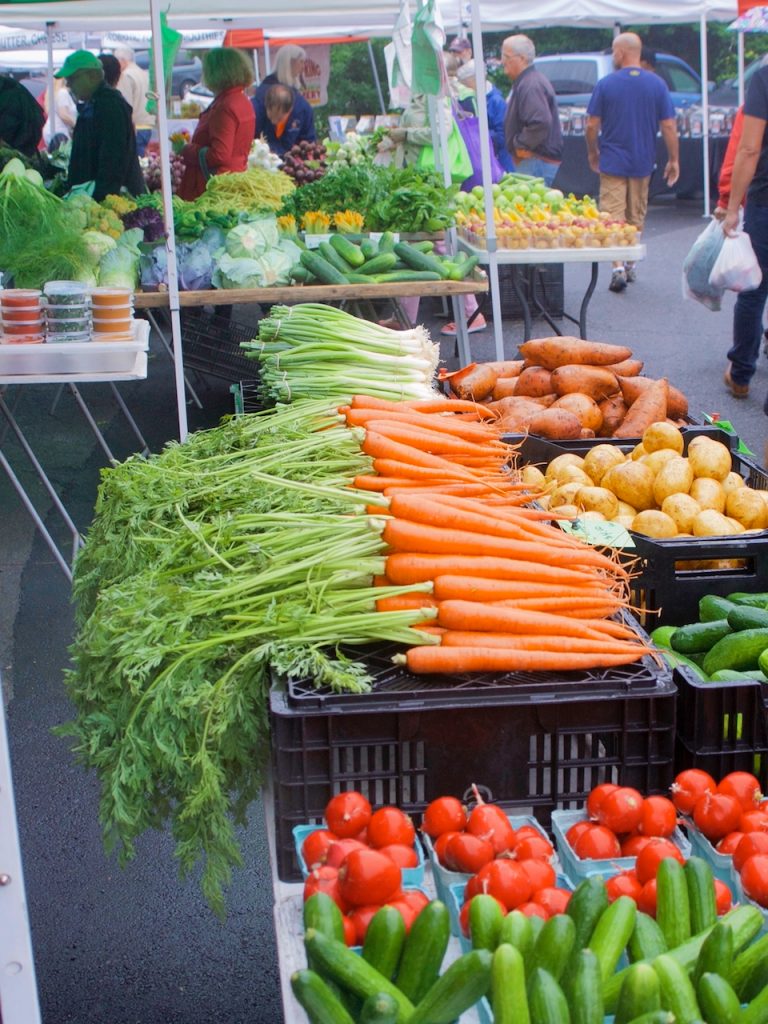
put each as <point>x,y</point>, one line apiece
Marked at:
<point>727,94</point>
<point>186,73</point>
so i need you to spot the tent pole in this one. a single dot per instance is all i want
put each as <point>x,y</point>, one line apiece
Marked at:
<point>705,110</point>
<point>267,59</point>
<point>170,235</point>
<point>376,77</point>
<point>740,58</point>
<point>257,73</point>
<point>50,86</point>
<point>485,161</point>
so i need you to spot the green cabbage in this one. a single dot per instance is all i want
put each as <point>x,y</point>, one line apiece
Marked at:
<point>252,239</point>
<point>98,244</point>
<point>267,271</point>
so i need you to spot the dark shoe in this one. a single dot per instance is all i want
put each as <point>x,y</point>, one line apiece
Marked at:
<point>737,390</point>
<point>618,281</point>
<point>631,271</point>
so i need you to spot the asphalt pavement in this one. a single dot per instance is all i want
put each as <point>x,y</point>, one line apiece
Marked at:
<point>137,945</point>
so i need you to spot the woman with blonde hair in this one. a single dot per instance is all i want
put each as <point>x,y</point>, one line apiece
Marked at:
<point>224,133</point>
<point>300,125</point>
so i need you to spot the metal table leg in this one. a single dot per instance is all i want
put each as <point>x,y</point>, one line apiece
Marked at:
<point>131,421</point>
<point>585,301</point>
<point>92,422</point>
<point>166,345</point>
<point>533,276</point>
<point>526,310</point>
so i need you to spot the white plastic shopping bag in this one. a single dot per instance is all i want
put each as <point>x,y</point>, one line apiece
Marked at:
<point>698,265</point>
<point>736,268</point>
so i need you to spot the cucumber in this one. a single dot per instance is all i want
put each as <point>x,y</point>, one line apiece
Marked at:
<point>352,972</point>
<point>386,242</point>
<point>745,963</point>
<point>321,1005</point>
<point>420,260</point>
<point>353,277</point>
<point>737,650</point>
<point>329,254</point>
<point>384,940</point>
<point>675,660</point>
<point>379,264</point>
<point>762,663</point>
<point>349,252</point>
<point>673,913</point>
<point>425,246</point>
<point>701,894</point>
<point>719,1003</point>
<point>640,993</point>
<point>424,951</point>
<point>677,994</point>
<point>586,992</point>
<point>716,953</point>
<point>699,636</point>
<point>485,917</point>
<point>378,1009</point>
<point>554,945</point>
<point>662,635</point>
<point>730,675</point>
<point>395,276</point>
<point>712,608</point>
<point>537,923</point>
<point>516,930</point>
<point>647,939</point>
<point>321,268</point>
<point>756,600</point>
<point>546,1001</point>
<point>321,913</point>
<point>300,274</point>
<point>509,1001</point>
<point>655,1017</point>
<point>587,903</point>
<point>756,982</point>
<point>469,265</point>
<point>757,1011</point>
<point>465,981</point>
<point>747,617</point>
<point>612,933</point>
<point>369,248</point>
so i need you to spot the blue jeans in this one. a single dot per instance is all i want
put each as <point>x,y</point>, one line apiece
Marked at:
<point>748,311</point>
<point>143,135</point>
<point>540,168</point>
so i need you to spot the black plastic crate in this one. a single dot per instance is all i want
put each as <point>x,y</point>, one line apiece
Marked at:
<point>534,741</point>
<point>723,762</point>
<point>542,283</point>
<point>721,718</point>
<point>211,345</point>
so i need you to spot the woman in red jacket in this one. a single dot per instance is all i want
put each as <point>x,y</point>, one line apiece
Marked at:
<point>224,133</point>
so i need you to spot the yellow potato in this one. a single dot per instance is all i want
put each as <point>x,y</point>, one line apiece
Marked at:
<point>674,477</point>
<point>733,481</point>
<point>655,460</point>
<point>567,511</point>
<point>565,494</point>
<point>631,482</point>
<point>599,460</point>
<point>735,524</point>
<point>599,499</point>
<point>748,508</point>
<point>638,452</point>
<point>698,439</point>
<point>566,459</point>
<point>710,523</point>
<point>532,477</point>
<point>662,435</point>
<point>592,515</point>
<point>625,521</point>
<point>573,473</point>
<point>627,510</point>
<point>544,501</point>
<point>708,493</point>
<point>710,459</point>
<point>683,509</point>
<point>763,495</point>
<point>654,524</point>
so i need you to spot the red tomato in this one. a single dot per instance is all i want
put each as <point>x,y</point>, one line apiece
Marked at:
<point>468,853</point>
<point>753,821</point>
<point>646,901</point>
<point>624,884</point>
<point>597,844</point>
<point>659,817</point>
<point>744,787</point>
<point>649,858</point>
<point>576,830</point>
<point>446,814</point>
<point>535,848</point>
<point>729,843</point>
<point>350,932</point>
<point>621,810</point>
<point>751,843</point>
<point>325,879</point>
<point>754,878</point>
<point>407,912</point>
<point>403,856</point>
<point>415,898</point>
<point>347,813</point>
<point>534,910</point>
<point>540,873</point>
<point>688,786</point>
<point>315,846</point>
<point>361,917</point>
<point>367,877</point>
<point>464,919</point>
<point>390,825</point>
<point>632,845</point>
<point>525,832</point>
<point>723,897</point>
<point>337,852</point>
<point>717,814</point>
<point>554,900</point>
<point>505,880</point>
<point>441,843</point>
<point>362,837</point>
<point>596,797</point>
<point>491,823</point>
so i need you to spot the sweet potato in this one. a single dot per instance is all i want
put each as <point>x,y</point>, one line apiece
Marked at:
<point>515,406</point>
<point>555,423</point>
<point>584,408</point>
<point>626,368</point>
<point>633,387</point>
<point>594,381</point>
<point>613,410</point>
<point>475,385</point>
<point>534,382</point>
<point>587,433</point>
<point>504,388</point>
<point>507,367</point>
<point>648,408</point>
<point>545,400</point>
<point>561,351</point>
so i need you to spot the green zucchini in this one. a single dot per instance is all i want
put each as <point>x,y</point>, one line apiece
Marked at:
<point>745,963</point>
<point>655,1017</point>
<point>612,933</point>
<point>329,254</point>
<point>757,600</point>
<point>586,992</point>
<point>424,951</point>
<point>587,903</point>
<point>420,260</point>
<point>672,905</point>
<point>395,276</point>
<point>716,953</point>
<point>712,608</point>
<point>321,268</point>
<point>349,252</point>
<point>485,917</point>
<point>699,636</point>
<point>647,939</point>
<point>640,993</point>
<point>386,241</point>
<point>554,945</point>
<point>719,1003</point>
<point>677,993</point>
<point>383,945</point>
<point>516,930</point>
<point>737,650</point>
<point>320,1004</point>
<point>546,1001</point>
<point>747,617</point>
<point>380,264</point>
<point>662,635</point>
<point>369,247</point>
<point>701,894</point>
<point>509,1001</point>
<point>463,983</point>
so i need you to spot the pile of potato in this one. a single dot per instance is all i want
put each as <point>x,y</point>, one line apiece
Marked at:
<point>655,489</point>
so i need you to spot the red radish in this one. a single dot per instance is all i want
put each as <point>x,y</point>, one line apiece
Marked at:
<point>717,814</point>
<point>632,845</point>
<point>624,884</point>
<point>554,900</point>
<point>315,846</point>
<point>622,810</point>
<point>347,814</point>
<point>723,898</point>
<point>596,797</point>
<point>337,852</point>
<point>534,910</point>
<point>649,858</point>
<point>729,843</point>
<point>646,901</point>
<point>367,877</point>
<point>446,814</point>
<point>468,853</point>
<point>505,880</point>
<point>490,822</point>
<point>597,844</point>
<point>744,786</point>
<point>754,878</point>
<point>689,786</point>
<point>751,843</point>
<point>659,817</point>
<point>325,879</point>
<point>403,856</point>
<point>388,826</point>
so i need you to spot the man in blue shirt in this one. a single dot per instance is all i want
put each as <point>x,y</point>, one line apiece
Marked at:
<point>625,111</point>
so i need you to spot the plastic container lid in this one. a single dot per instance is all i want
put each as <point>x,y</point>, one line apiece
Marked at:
<point>68,336</point>
<point>22,326</point>
<point>70,307</point>
<point>111,296</point>
<point>21,339</point>
<point>74,288</point>
<point>19,296</point>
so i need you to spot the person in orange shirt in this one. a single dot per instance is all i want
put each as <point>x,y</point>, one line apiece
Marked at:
<point>726,169</point>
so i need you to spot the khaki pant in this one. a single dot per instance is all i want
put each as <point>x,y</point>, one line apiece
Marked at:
<point>624,198</point>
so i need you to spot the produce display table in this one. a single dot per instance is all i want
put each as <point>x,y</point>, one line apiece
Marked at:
<point>524,260</point>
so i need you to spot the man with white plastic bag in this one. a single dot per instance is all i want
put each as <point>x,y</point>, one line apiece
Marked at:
<point>736,268</point>
<point>698,264</point>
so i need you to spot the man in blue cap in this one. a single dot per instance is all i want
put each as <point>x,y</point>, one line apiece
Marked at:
<point>103,142</point>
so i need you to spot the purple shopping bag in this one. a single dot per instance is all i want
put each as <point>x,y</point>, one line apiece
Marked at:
<point>469,126</point>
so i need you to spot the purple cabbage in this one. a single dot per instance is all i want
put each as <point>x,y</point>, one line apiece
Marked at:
<point>149,220</point>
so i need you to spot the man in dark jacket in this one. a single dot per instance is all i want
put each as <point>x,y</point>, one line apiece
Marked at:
<point>103,142</point>
<point>21,117</point>
<point>532,124</point>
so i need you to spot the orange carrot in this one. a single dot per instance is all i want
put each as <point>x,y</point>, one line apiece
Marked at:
<point>394,467</point>
<point>523,642</point>
<point>432,440</point>
<point>403,602</point>
<point>378,446</point>
<point>454,404</point>
<point>497,619</point>
<point>419,565</point>
<point>573,607</point>
<point>448,424</point>
<point>457,660</point>
<point>441,489</point>
<point>380,483</point>
<point>478,588</point>
<point>382,581</point>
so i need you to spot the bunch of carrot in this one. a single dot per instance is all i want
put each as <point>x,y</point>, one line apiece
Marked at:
<point>509,591</point>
